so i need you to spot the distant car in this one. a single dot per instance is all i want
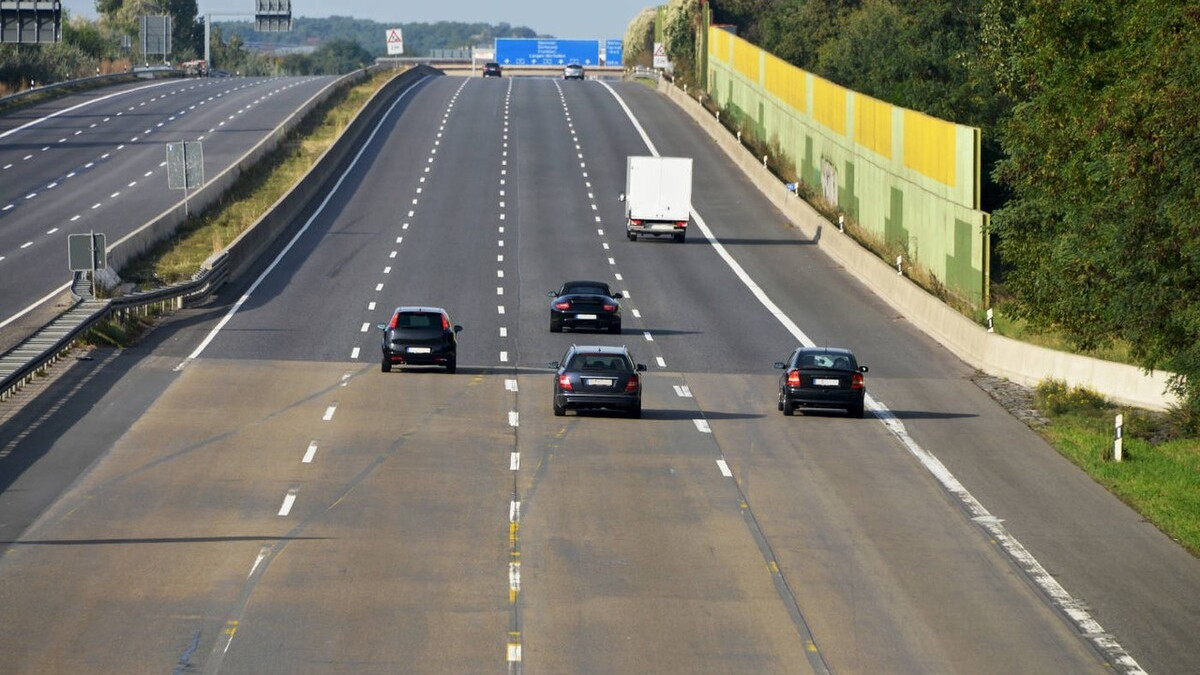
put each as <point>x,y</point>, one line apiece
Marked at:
<point>492,69</point>
<point>585,304</point>
<point>573,71</point>
<point>420,336</point>
<point>822,377</point>
<point>597,378</point>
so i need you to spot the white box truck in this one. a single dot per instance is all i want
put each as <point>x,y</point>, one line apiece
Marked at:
<point>658,196</point>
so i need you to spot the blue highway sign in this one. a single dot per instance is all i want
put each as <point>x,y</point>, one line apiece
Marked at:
<point>614,52</point>
<point>534,52</point>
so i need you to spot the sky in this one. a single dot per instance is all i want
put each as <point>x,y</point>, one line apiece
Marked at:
<point>568,19</point>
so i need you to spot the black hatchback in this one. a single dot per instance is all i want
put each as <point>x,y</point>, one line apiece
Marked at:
<point>597,378</point>
<point>420,336</point>
<point>822,377</point>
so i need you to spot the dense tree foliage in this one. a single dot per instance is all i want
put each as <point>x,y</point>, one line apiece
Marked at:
<point>1102,232</point>
<point>419,38</point>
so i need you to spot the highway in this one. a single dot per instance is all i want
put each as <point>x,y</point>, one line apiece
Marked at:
<point>246,492</point>
<point>96,161</point>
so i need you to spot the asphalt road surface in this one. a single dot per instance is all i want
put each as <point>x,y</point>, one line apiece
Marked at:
<point>246,492</point>
<point>96,162</point>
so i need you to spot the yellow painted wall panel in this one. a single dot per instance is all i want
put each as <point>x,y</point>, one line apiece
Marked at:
<point>720,43</point>
<point>746,59</point>
<point>829,105</point>
<point>929,146</point>
<point>873,124</point>
<point>786,82</point>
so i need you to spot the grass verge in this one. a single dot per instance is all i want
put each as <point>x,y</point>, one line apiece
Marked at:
<point>1159,476</point>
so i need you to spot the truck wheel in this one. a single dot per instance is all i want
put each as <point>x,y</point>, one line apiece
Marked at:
<point>632,236</point>
<point>678,237</point>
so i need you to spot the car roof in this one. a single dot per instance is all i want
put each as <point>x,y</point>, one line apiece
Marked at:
<point>419,308</point>
<point>600,349</point>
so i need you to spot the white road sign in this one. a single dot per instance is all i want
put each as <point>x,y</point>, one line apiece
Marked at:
<point>660,56</point>
<point>395,41</point>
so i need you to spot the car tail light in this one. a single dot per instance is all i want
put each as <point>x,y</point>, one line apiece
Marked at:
<point>395,318</point>
<point>635,222</point>
<point>856,381</point>
<point>564,382</point>
<point>793,378</point>
<point>632,385</point>
<point>681,224</point>
<point>562,305</point>
<point>610,308</point>
<point>445,322</point>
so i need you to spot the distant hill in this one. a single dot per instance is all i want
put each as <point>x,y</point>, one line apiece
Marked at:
<point>419,38</point>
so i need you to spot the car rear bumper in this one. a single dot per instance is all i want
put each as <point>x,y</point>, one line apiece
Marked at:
<point>577,401</point>
<point>601,321</point>
<point>816,398</point>
<point>432,359</point>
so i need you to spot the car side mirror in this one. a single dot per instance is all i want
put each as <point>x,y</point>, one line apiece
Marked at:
<point>616,295</point>
<point>780,365</point>
<point>457,328</point>
<point>641,367</point>
<point>553,364</point>
<point>551,294</point>
<point>621,197</point>
<point>862,369</point>
<point>381,326</point>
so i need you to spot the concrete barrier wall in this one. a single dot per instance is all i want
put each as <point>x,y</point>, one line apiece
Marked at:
<point>994,354</point>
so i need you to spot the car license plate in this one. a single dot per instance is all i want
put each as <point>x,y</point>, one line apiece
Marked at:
<point>419,350</point>
<point>599,381</point>
<point>586,317</point>
<point>825,382</point>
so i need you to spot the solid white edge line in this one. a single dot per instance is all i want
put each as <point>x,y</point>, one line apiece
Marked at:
<point>279,258</point>
<point>1087,626</point>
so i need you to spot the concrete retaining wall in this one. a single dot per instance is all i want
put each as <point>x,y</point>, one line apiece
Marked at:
<point>994,354</point>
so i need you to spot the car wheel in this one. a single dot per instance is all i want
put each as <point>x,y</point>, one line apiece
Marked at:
<point>555,326</point>
<point>788,407</point>
<point>386,364</point>
<point>452,365</point>
<point>636,412</point>
<point>779,402</point>
<point>857,411</point>
<point>559,410</point>
<point>615,328</point>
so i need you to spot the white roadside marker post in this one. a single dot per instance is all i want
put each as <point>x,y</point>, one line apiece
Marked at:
<point>1118,434</point>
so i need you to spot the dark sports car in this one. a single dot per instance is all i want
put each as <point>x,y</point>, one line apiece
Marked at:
<point>822,377</point>
<point>585,304</point>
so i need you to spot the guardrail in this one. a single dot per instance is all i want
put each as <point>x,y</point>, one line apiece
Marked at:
<point>33,356</point>
<point>86,83</point>
<point>52,342</point>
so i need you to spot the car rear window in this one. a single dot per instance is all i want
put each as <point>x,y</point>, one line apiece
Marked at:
<point>585,290</point>
<point>832,361</point>
<point>607,362</point>
<point>418,320</point>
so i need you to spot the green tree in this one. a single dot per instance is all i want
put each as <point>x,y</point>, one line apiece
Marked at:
<point>1103,144</point>
<point>340,56</point>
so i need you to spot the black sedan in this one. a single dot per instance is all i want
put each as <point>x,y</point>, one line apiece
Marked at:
<point>597,378</point>
<point>822,377</point>
<point>585,304</point>
<point>420,336</point>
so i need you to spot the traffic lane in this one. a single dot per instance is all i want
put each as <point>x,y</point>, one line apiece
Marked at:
<point>365,254</point>
<point>1011,471</point>
<point>635,550</point>
<point>403,542</point>
<point>184,520</point>
<point>890,575</point>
